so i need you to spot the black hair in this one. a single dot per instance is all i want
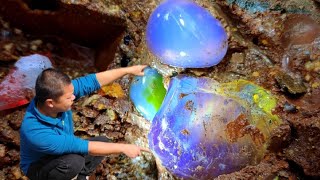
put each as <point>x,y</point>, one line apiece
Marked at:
<point>50,85</point>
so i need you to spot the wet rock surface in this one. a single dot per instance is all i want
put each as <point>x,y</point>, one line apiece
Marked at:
<point>263,48</point>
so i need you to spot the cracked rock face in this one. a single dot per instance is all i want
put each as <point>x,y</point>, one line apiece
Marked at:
<point>273,44</point>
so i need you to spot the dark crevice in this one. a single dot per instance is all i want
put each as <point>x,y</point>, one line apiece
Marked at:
<point>255,40</point>
<point>127,39</point>
<point>125,60</point>
<point>297,169</point>
<point>294,131</point>
<point>51,5</point>
<point>317,3</point>
<point>299,172</point>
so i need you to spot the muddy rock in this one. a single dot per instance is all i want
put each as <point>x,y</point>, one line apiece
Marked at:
<point>299,29</point>
<point>270,168</point>
<point>290,84</point>
<point>2,155</point>
<point>265,38</point>
<point>280,138</point>
<point>105,119</point>
<point>122,107</point>
<point>89,113</point>
<point>101,103</point>
<point>304,148</point>
<point>9,135</point>
<point>113,135</point>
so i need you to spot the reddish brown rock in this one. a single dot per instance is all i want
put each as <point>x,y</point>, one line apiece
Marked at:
<point>74,22</point>
<point>304,150</point>
<point>9,135</point>
<point>270,168</point>
<point>256,37</point>
<point>304,146</point>
<point>299,29</point>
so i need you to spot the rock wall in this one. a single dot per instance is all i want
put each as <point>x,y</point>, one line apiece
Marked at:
<point>274,44</point>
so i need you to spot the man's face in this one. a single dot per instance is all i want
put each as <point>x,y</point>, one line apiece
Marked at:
<point>66,100</point>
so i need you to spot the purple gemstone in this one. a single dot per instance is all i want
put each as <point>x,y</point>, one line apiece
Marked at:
<point>192,132</point>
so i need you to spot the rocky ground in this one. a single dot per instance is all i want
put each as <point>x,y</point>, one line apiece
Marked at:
<point>274,44</point>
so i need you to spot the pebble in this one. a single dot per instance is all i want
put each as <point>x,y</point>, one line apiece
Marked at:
<point>8,47</point>
<point>289,107</point>
<point>37,42</point>
<point>34,47</point>
<point>291,84</point>
<point>17,31</point>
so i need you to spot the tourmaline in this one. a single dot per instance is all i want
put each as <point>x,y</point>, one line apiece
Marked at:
<point>201,131</point>
<point>147,92</point>
<point>183,34</point>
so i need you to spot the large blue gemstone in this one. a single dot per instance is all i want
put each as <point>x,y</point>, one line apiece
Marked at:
<point>201,131</point>
<point>183,34</point>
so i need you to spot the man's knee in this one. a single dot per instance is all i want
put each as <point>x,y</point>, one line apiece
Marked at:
<point>75,162</point>
<point>69,166</point>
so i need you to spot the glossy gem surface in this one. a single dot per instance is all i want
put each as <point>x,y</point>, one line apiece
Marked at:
<point>147,93</point>
<point>183,34</point>
<point>202,133</point>
<point>17,87</point>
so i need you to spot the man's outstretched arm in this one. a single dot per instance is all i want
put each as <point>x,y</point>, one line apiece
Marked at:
<point>106,77</point>
<point>98,148</point>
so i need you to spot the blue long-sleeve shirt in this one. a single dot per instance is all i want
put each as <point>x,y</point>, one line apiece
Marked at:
<point>42,135</point>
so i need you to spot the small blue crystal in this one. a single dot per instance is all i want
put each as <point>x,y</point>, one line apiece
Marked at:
<point>147,92</point>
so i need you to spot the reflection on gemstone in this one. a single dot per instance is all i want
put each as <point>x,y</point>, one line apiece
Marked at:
<point>183,34</point>
<point>202,132</point>
<point>147,93</point>
<point>18,86</point>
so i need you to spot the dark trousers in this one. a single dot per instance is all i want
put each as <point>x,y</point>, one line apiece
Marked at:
<point>65,167</point>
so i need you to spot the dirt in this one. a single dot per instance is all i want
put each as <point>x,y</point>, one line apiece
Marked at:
<point>276,46</point>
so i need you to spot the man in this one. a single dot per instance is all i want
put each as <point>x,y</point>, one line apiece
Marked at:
<point>48,147</point>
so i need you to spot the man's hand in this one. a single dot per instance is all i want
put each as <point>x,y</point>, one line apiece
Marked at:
<point>133,151</point>
<point>136,70</point>
<point>109,76</point>
<point>98,148</point>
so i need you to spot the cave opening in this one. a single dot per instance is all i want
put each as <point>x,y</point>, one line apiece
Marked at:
<point>51,5</point>
<point>73,22</point>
